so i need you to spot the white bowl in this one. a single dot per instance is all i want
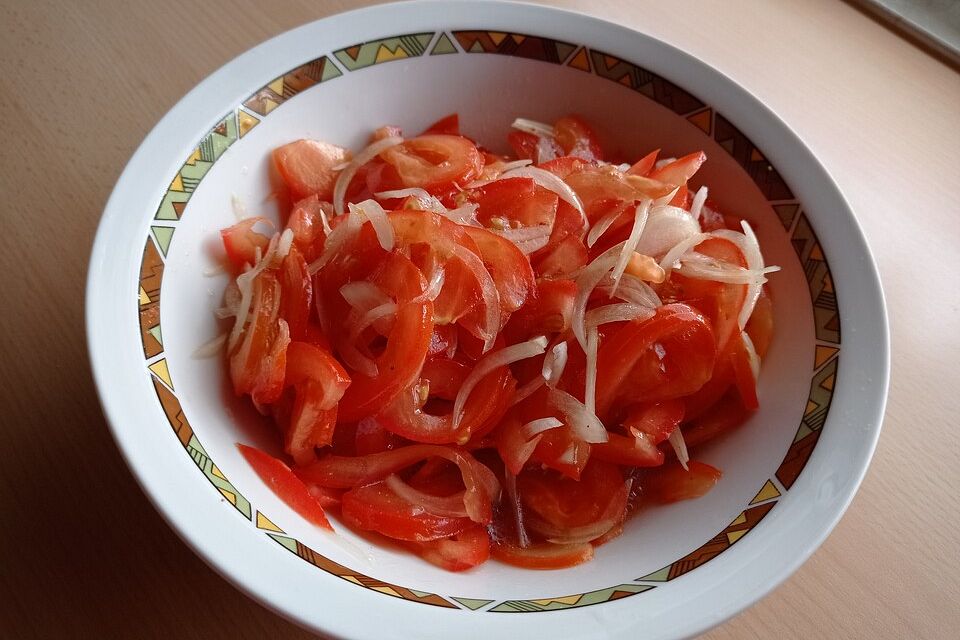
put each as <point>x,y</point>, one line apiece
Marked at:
<point>676,571</point>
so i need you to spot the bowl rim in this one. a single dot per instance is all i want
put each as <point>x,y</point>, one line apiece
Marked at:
<point>105,357</point>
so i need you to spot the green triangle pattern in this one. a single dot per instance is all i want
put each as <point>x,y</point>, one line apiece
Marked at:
<point>564,50</point>
<point>444,45</point>
<point>155,332</point>
<point>330,71</point>
<point>163,236</point>
<point>288,543</point>
<point>472,603</point>
<point>657,576</point>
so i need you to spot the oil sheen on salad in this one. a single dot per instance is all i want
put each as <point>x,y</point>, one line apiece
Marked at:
<point>478,355</point>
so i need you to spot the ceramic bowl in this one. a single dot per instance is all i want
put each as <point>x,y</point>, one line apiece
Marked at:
<point>789,472</point>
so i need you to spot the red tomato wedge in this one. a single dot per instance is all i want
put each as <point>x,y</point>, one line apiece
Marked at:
<point>375,507</point>
<point>434,161</point>
<point>286,485</point>
<point>307,167</point>
<point>542,556</point>
<point>577,139</point>
<point>319,382</point>
<point>461,551</point>
<point>242,243</point>
<point>672,483</point>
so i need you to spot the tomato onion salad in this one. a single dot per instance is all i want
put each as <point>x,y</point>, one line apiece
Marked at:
<point>478,355</point>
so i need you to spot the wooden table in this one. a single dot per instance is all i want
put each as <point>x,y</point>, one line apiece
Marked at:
<point>83,554</point>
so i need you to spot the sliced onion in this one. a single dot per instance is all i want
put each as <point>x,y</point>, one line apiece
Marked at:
<point>363,295</point>
<point>587,280</point>
<point>525,233</point>
<point>284,244</point>
<point>427,201</point>
<point>488,291</point>
<point>680,448</point>
<point>535,427</point>
<point>634,290</point>
<point>534,127</point>
<point>488,363</point>
<point>601,226</point>
<point>357,361</point>
<point>528,247</point>
<point>367,319</point>
<point>337,239</point>
<point>245,285</point>
<point>748,244</point>
<point>696,208</point>
<point>618,312</point>
<point>702,267</point>
<point>665,200</point>
<point>545,150</point>
<point>666,227</point>
<point>569,455</point>
<point>210,348</point>
<point>590,385</point>
<point>515,164</point>
<point>639,221</point>
<point>372,211</point>
<point>678,250</point>
<point>465,214</point>
<point>528,390</point>
<point>510,481</point>
<point>362,158</point>
<point>548,181</point>
<point>433,287</point>
<point>585,424</point>
<point>554,363</point>
<point>752,355</point>
<point>448,506</point>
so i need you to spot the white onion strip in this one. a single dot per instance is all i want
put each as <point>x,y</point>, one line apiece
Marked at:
<point>534,127</point>
<point>210,348</point>
<point>678,250</point>
<point>553,365</point>
<point>750,246</point>
<point>362,158</point>
<point>372,211</point>
<point>535,427</point>
<point>335,241</point>
<point>585,424</point>
<point>488,363</point>
<point>432,292</point>
<point>363,295</point>
<point>680,448</point>
<point>601,226</point>
<point>549,181</point>
<point>245,285</point>
<point>639,221</point>
<point>510,481</point>
<point>751,355</point>
<point>617,312</point>
<point>587,281</point>
<point>465,214</point>
<point>696,208</point>
<point>590,384</point>
<point>427,201</point>
<point>634,290</point>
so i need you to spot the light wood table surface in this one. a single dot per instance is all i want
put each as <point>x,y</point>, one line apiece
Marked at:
<point>83,554</point>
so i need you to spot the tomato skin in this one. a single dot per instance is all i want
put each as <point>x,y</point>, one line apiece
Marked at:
<point>319,382</point>
<point>577,139</point>
<point>407,345</point>
<point>460,552</point>
<point>721,417</point>
<point>253,357</point>
<point>550,311</point>
<point>658,420</point>
<point>509,267</point>
<point>444,377</point>
<point>435,161</point>
<point>296,293</point>
<point>519,200</point>
<point>448,125</point>
<point>307,167</point>
<point>542,556</point>
<point>564,503</point>
<point>375,507</point>
<point>286,485</point>
<point>564,257</point>
<point>680,170</point>
<point>629,451</point>
<point>306,222</point>
<point>527,146</point>
<point>644,165</point>
<point>629,367</point>
<point>241,243</point>
<point>672,483</point>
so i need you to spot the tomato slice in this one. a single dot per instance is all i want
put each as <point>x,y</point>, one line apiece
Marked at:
<point>563,503</point>
<point>306,222</point>
<point>563,258</point>
<point>672,483</point>
<point>448,125</point>
<point>668,356</point>
<point>542,556</point>
<point>550,311</point>
<point>412,416</point>
<point>375,507</point>
<point>286,485</point>
<point>319,382</point>
<point>406,346</point>
<point>527,146</point>
<point>644,165</point>
<point>656,420</point>
<point>242,242</point>
<point>509,267</point>
<point>461,551</point>
<point>680,170</point>
<point>519,200</point>
<point>296,293</point>
<point>307,167</point>
<point>639,451</point>
<point>435,161</point>
<point>723,416</point>
<point>577,139</point>
<point>255,358</point>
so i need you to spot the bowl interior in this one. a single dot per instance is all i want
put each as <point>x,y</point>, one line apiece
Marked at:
<point>412,92</point>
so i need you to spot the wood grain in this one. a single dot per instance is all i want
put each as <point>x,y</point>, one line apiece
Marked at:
<point>83,554</point>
